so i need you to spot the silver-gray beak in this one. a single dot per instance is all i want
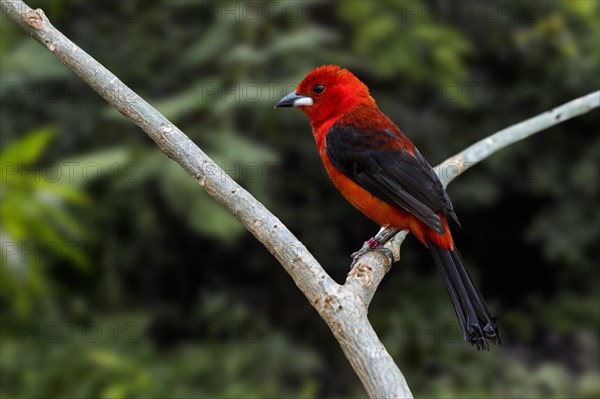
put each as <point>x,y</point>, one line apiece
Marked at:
<point>294,100</point>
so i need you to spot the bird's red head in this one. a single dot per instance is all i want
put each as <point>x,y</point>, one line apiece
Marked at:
<point>327,93</point>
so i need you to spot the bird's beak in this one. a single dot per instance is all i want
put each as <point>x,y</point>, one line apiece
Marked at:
<point>294,100</point>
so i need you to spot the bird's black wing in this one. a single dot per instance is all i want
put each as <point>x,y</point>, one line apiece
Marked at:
<point>377,162</point>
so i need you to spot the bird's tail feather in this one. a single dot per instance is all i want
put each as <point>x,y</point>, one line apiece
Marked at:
<point>477,325</point>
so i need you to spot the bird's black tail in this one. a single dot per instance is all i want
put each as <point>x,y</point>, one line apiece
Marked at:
<point>477,325</point>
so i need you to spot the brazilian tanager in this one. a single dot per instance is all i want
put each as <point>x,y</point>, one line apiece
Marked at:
<point>380,171</point>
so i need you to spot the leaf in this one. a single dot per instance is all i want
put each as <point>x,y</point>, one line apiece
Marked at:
<point>28,62</point>
<point>215,39</point>
<point>115,163</point>
<point>196,97</point>
<point>27,149</point>
<point>307,39</point>
<point>194,206</point>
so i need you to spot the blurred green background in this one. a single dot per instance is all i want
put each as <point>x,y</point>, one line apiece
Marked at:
<point>120,278</point>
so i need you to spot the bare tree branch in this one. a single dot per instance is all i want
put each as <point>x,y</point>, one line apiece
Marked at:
<point>459,163</point>
<point>343,307</point>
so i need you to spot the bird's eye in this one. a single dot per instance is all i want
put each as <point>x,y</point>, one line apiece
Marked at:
<point>319,88</point>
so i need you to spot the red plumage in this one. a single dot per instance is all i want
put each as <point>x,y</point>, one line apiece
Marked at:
<point>351,105</point>
<point>380,171</point>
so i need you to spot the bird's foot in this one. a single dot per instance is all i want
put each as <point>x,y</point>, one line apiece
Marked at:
<point>368,246</point>
<point>373,244</point>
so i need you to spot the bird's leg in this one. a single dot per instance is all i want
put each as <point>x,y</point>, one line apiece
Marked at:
<point>376,243</point>
<point>384,235</point>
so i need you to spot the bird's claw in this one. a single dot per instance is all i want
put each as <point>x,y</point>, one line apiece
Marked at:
<point>370,245</point>
<point>356,255</point>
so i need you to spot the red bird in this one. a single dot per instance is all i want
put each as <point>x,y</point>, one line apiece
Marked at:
<point>380,171</point>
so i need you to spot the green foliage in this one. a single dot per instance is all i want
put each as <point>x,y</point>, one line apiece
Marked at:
<point>106,363</point>
<point>402,37</point>
<point>34,216</point>
<point>204,215</point>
